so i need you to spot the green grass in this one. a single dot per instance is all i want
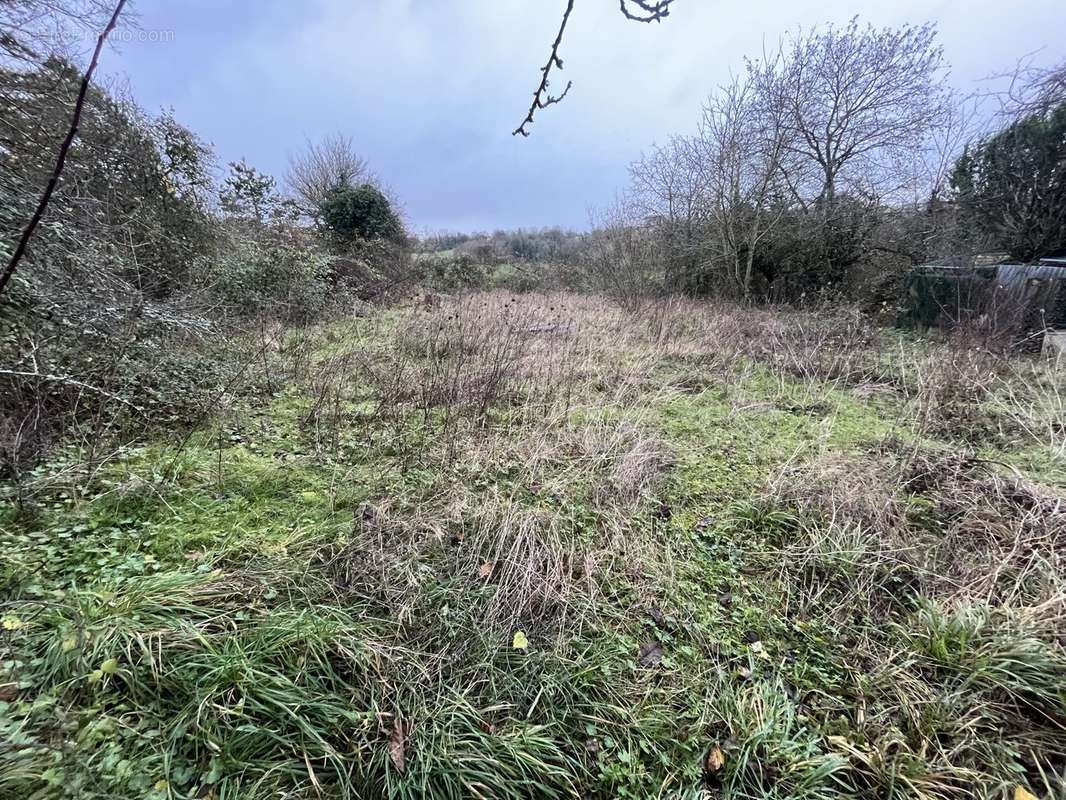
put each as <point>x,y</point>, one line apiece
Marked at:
<point>326,607</point>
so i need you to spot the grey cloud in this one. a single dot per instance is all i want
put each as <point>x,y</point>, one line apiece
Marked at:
<point>431,89</point>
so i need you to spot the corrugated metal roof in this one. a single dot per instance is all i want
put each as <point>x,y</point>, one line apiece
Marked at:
<point>1013,275</point>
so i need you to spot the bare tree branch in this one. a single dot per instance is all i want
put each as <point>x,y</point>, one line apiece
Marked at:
<point>61,159</point>
<point>636,10</point>
<point>31,30</point>
<point>66,380</point>
<point>1032,90</point>
<point>652,12</point>
<point>541,97</point>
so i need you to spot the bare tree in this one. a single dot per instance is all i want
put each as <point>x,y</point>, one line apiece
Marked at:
<point>668,183</point>
<point>668,192</point>
<point>623,256</point>
<point>798,161</point>
<point>746,150</point>
<point>321,167</point>
<point>928,169</point>
<point>635,10</point>
<point>854,101</point>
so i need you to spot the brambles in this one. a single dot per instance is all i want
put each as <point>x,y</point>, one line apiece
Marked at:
<point>140,300</point>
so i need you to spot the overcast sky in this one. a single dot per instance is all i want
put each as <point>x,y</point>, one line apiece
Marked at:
<point>430,90</point>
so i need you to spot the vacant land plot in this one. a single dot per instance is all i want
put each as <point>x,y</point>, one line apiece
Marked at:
<point>519,546</point>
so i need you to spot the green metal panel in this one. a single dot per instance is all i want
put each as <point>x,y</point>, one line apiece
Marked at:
<point>1012,297</point>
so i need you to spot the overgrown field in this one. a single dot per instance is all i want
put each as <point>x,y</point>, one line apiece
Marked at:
<point>537,546</point>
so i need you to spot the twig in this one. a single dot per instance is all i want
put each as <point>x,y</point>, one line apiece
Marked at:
<point>653,11</point>
<point>646,11</point>
<point>541,97</point>
<point>61,159</point>
<point>68,381</point>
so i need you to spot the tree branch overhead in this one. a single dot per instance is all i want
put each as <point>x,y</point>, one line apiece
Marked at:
<point>635,10</point>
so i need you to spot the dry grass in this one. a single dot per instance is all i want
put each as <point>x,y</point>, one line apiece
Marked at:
<point>518,539</point>
<point>694,512</point>
<point>949,527</point>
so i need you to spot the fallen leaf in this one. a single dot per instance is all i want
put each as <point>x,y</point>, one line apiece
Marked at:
<point>714,761</point>
<point>397,744</point>
<point>650,654</point>
<point>1021,793</point>
<point>520,641</point>
<point>486,569</point>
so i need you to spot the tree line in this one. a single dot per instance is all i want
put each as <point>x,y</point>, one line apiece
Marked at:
<point>832,163</point>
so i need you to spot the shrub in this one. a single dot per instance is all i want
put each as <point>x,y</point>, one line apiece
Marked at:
<point>274,277</point>
<point>452,272</point>
<point>360,212</point>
